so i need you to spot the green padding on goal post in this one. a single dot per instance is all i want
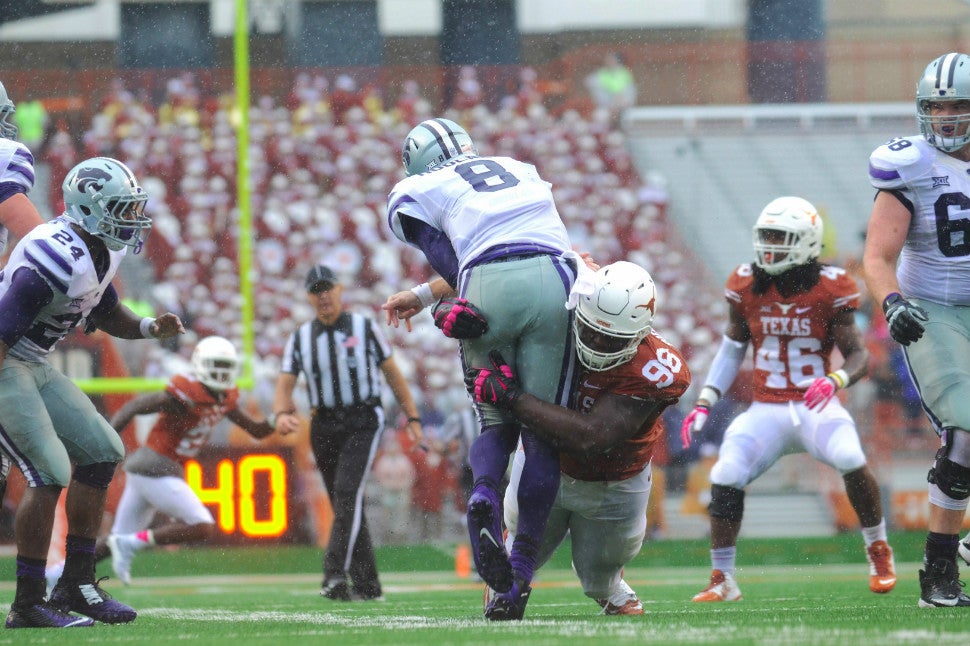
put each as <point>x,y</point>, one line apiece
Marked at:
<point>121,385</point>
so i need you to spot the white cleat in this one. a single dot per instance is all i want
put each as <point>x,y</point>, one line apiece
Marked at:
<point>122,553</point>
<point>963,549</point>
<point>53,574</point>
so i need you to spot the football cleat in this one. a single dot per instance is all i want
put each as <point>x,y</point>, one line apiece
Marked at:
<point>53,574</point>
<point>507,606</point>
<point>963,549</point>
<point>940,586</point>
<point>631,606</point>
<point>882,569</point>
<point>44,615</point>
<point>336,589</point>
<point>357,595</point>
<point>488,547</point>
<point>722,587</point>
<point>122,553</point>
<point>90,600</point>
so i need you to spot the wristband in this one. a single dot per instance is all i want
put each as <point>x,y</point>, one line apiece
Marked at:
<point>889,300</point>
<point>272,418</point>
<point>146,327</point>
<point>414,419</point>
<point>840,377</point>
<point>424,294</point>
<point>710,395</point>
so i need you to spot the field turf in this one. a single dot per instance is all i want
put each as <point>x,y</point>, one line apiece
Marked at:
<point>809,591</point>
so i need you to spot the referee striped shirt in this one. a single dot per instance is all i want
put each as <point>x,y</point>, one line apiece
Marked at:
<point>341,362</point>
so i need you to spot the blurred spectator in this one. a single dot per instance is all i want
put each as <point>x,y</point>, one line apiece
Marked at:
<point>60,155</point>
<point>344,97</point>
<point>411,107</point>
<point>457,434</point>
<point>31,120</point>
<point>395,474</point>
<point>612,86</point>
<point>468,90</point>
<point>433,479</point>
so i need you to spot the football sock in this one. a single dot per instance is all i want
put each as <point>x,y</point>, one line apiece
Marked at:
<point>875,533</point>
<point>723,559</point>
<point>941,546</point>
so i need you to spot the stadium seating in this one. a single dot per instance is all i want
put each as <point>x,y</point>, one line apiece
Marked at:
<point>318,195</point>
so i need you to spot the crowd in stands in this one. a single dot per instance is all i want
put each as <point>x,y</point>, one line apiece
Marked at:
<point>322,161</point>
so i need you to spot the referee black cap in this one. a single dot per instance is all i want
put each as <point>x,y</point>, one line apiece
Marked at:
<point>320,274</point>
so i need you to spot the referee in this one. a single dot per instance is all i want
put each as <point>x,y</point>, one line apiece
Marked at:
<point>340,354</point>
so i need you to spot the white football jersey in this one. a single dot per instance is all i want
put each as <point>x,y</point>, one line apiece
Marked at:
<point>935,260</point>
<point>480,203</point>
<point>56,253</point>
<point>16,166</point>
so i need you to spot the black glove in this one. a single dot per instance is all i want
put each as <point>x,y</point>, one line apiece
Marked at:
<point>496,385</point>
<point>459,319</point>
<point>905,319</point>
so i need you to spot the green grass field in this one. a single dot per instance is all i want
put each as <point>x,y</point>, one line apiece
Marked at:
<point>810,591</point>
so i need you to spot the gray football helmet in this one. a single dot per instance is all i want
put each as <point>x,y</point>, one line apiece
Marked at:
<point>433,142</point>
<point>945,79</point>
<point>102,195</point>
<point>7,129</point>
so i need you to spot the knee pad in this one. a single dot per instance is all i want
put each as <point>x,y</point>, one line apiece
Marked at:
<point>952,476</point>
<point>952,479</point>
<point>97,475</point>
<point>727,503</point>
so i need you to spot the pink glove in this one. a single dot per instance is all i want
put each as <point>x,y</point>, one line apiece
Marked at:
<point>459,319</point>
<point>820,392</point>
<point>693,423</point>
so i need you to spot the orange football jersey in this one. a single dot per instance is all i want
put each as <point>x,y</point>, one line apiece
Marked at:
<point>791,337</point>
<point>179,436</point>
<point>658,371</point>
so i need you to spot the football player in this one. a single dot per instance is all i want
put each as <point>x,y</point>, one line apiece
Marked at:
<point>189,408</point>
<point>920,219</point>
<point>58,277</point>
<point>18,215</point>
<point>607,437</point>
<point>794,311</point>
<point>490,228</point>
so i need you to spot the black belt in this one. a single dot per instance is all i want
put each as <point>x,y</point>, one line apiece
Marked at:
<point>345,411</point>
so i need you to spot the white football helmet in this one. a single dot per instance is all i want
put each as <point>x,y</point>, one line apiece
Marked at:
<point>433,142</point>
<point>7,129</point>
<point>801,225</point>
<point>945,79</point>
<point>616,316</point>
<point>215,363</point>
<point>103,196</point>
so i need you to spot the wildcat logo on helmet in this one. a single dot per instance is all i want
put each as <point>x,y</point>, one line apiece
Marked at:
<point>92,177</point>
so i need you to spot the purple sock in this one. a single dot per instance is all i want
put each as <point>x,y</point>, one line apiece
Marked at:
<point>489,454</point>
<point>538,487</point>
<point>523,557</point>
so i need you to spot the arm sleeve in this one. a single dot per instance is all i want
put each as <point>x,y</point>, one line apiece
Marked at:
<point>435,245</point>
<point>27,296</point>
<point>107,303</point>
<point>726,364</point>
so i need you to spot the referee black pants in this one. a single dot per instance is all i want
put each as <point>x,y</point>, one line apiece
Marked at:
<point>344,444</point>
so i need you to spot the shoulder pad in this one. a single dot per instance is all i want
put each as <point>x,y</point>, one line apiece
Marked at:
<point>53,262</point>
<point>900,160</point>
<point>737,282</point>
